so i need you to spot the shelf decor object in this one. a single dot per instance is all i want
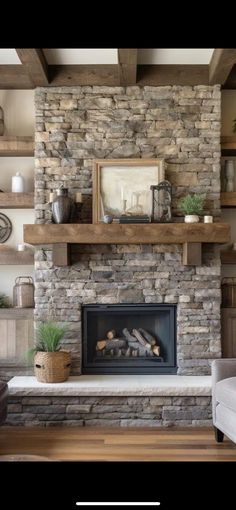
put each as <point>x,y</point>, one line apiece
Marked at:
<point>122,186</point>
<point>229,174</point>
<point>1,121</point>
<point>17,183</point>
<point>5,228</point>
<point>62,206</point>
<point>161,202</point>
<point>23,292</point>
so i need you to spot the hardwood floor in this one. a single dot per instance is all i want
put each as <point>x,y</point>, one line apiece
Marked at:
<point>126,444</point>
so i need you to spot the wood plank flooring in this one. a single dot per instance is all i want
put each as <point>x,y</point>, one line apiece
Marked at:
<point>123,444</point>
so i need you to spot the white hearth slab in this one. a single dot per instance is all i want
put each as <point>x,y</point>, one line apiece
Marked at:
<point>117,385</point>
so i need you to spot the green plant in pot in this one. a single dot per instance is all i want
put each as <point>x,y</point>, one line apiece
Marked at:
<point>192,206</point>
<point>51,364</point>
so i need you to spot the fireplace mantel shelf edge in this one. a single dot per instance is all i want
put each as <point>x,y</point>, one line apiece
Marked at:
<point>190,235</point>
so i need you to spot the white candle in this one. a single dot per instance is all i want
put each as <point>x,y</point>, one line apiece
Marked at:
<point>208,219</point>
<point>20,247</point>
<point>122,192</point>
<point>51,197</point>
<point>78,197</point>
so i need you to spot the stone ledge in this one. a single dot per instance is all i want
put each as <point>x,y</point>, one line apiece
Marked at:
<point>114,385</point>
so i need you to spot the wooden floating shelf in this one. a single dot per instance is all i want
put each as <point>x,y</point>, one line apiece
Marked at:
<point>16,313</point>
<point>228,257</point>
<point>228,143</point>
<point>166,233</point>
<point>18,258</point>
<point>151,233</point>
<point>228,199</point>
<point>17,200</point>
<point>16,146</point>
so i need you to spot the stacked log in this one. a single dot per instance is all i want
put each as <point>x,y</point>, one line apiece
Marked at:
<point>138,342</point>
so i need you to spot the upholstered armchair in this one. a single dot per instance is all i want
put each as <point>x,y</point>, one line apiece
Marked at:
<point>224,398</point>
<point>3,401</point>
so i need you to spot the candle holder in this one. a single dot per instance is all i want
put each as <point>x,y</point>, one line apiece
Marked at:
<point>161,202</point>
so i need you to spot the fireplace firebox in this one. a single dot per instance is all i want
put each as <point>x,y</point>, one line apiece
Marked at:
<point>136,338</point>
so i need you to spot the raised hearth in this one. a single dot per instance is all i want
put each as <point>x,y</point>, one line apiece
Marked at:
<point>112,400</point>
<point>114,385</point>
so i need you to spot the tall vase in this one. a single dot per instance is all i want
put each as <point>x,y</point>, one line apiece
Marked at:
<point>1,121</point>
<point>229,171</point>
<point>62,207</point>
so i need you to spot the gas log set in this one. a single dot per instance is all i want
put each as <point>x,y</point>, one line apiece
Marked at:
<point>137,343</point>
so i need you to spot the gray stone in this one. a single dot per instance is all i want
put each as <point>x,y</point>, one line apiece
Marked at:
<point>130,295</point>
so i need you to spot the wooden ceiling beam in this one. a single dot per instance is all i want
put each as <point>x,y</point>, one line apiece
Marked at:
<point>176,74</point>
<point>35,65</point>
<point>66,75</point>
<point>221,64</point>
<point>127,62</point>
<point>16,77</point>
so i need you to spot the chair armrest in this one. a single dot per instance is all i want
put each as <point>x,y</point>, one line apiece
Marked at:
<point>221,369</point>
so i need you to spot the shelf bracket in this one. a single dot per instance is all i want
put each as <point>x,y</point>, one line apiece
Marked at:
<point>61,254</point>
<point>192,254</point>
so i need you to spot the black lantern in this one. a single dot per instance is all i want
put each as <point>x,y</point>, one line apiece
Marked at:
<point>161,202</point>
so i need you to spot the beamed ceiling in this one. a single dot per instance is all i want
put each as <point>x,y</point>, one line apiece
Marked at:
<point>27,68</point>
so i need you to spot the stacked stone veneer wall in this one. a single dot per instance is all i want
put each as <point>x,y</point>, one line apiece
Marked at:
<point>74,126</point>
<point>110,411</point>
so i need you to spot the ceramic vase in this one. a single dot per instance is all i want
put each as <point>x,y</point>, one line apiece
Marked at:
<point>62,207</point>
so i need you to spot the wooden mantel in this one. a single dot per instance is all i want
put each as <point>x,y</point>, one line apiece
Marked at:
<point>190,235</point>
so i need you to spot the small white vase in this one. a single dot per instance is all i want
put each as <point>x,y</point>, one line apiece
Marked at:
<point>191,218</point>
<point>18,183</point>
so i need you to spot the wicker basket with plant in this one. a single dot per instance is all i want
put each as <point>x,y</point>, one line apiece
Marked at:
<point>51,364</point>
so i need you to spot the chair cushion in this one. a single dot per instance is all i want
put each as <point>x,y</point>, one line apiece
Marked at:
<point>226,392</point>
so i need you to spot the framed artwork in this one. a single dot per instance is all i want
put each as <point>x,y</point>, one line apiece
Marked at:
<point>123,187</point>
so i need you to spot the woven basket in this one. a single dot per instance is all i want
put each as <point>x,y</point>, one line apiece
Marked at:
<point>52,367</point>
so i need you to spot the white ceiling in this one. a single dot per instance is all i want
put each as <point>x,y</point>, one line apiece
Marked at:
<point>109,56</point>
<point>81,55</point>
<point>175,56</point>
<point>9,56</point>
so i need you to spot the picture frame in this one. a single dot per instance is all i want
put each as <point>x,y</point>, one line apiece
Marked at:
<point>123,187</point>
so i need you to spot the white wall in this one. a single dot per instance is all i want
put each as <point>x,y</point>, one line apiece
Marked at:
<point>19,120</point>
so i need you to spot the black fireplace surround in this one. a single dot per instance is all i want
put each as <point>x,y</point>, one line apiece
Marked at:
<point>157,320</point>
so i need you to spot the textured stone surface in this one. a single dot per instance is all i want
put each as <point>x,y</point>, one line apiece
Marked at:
<point>74,126</point>
<point>111,412</point>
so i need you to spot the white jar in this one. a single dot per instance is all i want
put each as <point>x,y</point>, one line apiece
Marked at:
<point>208,219</point>
<point>191,218</point>
<point>18,183</point>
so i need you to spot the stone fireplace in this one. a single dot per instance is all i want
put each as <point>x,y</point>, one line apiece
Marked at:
<point>75,125</point>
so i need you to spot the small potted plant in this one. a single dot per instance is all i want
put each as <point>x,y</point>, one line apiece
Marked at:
<point>51,364</point>
<point>192,206</point>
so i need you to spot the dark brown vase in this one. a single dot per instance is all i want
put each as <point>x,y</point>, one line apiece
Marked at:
<point>62,207</point>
